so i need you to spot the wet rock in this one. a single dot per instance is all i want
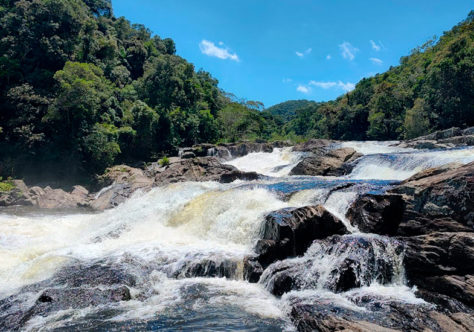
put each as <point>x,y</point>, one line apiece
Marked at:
<point>238,175</point>
<point>458,287</point>
<point>434,200</point>
<point>122,182</point>
<point>56,299</point>
<point>207,268</point>
<point>380,315</point>
<point>443,303</point>
<point>380,214</point>
<point>327,163</point>
<point>468,131</point>
<point>437,200</point>
<point>288,233</point>
<point>424,144</point>
<point>294,229</point>
<point>228,151</point>
<point>65,298</point>
<point>78,285</point>
<point>440,134</point>
<point>438,254</point>
<point>345,275</point>
<point>338,264</point>
<point>203,149</point>
<point>98,274</point>
<point>252,269</point>
<point>442,263</point>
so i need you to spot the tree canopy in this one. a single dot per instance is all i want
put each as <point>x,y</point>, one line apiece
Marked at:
<point>81,89</point>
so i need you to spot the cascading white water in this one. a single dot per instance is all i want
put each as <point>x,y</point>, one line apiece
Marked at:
<point>401,165</point>
<point>171,227</point>
<point>278,163</point>
<point>180,219</point>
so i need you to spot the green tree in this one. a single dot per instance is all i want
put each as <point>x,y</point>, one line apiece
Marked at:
<point>83,93</point>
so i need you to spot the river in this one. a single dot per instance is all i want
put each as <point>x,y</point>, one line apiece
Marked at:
<point>161,238</point>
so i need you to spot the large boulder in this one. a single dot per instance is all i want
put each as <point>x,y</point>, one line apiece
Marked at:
<point>438,200</point>
<point>17,193</point>
<point>434,200</point>
<point>44,198</point>
<point>338,263</point>
<point>200,169</point>
<point>442,263</point>
<point>380,315</point>
<point>438,254</point>
<point>72,287</point>
<point>49,198</point>
<point>288,233</point>
<point>299,227</point>
<point>327,163</point>
<point>380,214</point>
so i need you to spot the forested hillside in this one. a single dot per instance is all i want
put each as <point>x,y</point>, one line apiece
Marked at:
<point>81,90</point>
<point>287,110</point>
<point>432,88</point>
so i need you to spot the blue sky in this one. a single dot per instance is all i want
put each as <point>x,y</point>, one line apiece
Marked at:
<point>276,50</point>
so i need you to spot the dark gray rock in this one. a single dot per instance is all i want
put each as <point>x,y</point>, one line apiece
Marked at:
<point>327,163</point>
<point>380,214</point>
<point>295,229</point>
<point>350,261</point>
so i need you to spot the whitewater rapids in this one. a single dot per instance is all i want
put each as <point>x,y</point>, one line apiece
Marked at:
<point>172,226</point>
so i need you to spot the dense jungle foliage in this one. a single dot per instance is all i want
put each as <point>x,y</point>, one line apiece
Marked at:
<point>81,89</point>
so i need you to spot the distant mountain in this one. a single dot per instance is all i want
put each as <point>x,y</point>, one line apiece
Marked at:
<point>287,110</point>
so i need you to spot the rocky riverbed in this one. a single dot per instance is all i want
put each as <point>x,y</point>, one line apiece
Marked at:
<point>321,236</point>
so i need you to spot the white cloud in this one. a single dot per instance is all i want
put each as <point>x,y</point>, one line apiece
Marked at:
<point>287,80</point>
<point>303,89</point>
<point>375,46</point>
<point>303,54</point>
<point>328,57</point>
<point>348,86</point>
<point>209,48</point>
<point>348,51</point>
<point>324,85</point>
<point>376,61</point>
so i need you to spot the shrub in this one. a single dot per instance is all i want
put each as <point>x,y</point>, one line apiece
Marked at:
<point>7,185</point>
<point>164,161</point>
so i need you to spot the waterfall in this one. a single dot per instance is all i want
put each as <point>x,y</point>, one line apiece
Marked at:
<point>182,247</point>
<point>402,164</point>
<point>278,163</point>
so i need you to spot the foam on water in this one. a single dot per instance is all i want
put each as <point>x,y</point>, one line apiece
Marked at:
<point>171,226</point>
<point>402,165</point>
<point>374,147</point>
<point>277,163</point>
<point>183,219</point>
